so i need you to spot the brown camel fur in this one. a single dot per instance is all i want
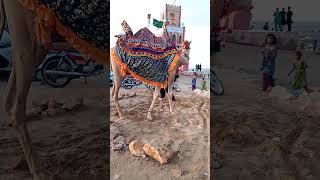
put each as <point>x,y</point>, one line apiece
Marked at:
<point>27,54</point>
<point>118,77</point>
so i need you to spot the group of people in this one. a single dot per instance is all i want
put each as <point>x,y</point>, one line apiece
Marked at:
<point>281,19</point>
<point>198,67</point>
<point>203,84</point>
<point>269,51</point>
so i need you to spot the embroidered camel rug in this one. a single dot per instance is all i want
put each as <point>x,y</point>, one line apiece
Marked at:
<point>146,57</point>
<point>83,23</point>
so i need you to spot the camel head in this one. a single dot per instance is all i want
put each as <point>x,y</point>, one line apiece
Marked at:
<point>185,53</point>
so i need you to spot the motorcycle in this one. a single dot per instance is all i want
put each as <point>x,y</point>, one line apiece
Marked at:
<point>61,66</point>
<point>175,87</point>
<point>216,85</point>
<point>129,82</point>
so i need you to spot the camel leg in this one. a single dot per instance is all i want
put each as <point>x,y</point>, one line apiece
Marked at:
<point>116,85</point>
<point>170,98</point>
<point>112,91</point>
<point>25,57</point>
<point>156,94</point>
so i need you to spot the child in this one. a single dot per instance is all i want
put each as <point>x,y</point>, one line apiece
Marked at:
<point>268,65</point>
<point>299,68</point>
<point>203,85</point>
<point>194,81</point>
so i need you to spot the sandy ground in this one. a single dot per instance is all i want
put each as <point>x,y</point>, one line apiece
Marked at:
<point>189,124</point>
<point>71,144</point>
<point>248,59</point>
<point>255,136</point>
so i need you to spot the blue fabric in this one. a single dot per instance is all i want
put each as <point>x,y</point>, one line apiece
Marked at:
<point>268,65</point>
<point>194,81</point>
<point>146,67</point>
<point>89,19</point>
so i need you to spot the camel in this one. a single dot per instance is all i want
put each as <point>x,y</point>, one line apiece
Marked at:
<point>118,78</point>
<point>28,50</point>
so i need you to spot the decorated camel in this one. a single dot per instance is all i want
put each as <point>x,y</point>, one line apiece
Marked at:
<point>84,25</point>
<point>150,59</point>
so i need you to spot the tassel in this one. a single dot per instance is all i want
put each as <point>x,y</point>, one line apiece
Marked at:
<point>44,25</point>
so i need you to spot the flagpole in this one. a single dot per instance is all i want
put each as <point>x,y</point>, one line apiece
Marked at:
<point>149,16</point>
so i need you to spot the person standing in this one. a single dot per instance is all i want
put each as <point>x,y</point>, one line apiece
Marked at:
<point>315,45</point>
<point>194,81</point>
<point>283,18</point>
<point>266,26</point>
<point>203,85</point>
<point>289,18</point>
<point>200,67</point>
<point>268,65</point>
<point>299,69</point>
<point>277,19</point>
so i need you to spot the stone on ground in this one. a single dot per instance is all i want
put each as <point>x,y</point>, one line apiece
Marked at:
<point>136,148</point>
<point>161,150</point>
<point>43,104</point>
<point>118,143</point>
<point>73,103</point>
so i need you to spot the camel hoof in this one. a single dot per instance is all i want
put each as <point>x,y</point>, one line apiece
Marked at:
<point>149,116</point>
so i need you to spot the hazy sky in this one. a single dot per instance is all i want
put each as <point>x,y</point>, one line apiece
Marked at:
<point>195,16</point>
<point>304,10</point>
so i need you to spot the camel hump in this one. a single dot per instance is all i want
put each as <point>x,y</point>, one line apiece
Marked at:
<point>126,28</point>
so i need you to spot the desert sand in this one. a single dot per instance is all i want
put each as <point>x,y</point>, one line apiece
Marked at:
<point>70,144</point>
<point>257,135</point>
<point>73,144</point>
<point>188,127</point>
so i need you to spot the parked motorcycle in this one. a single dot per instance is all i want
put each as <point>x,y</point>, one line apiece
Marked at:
<point>61,66</point>
<point>5,53</point>
<point>175,87</point>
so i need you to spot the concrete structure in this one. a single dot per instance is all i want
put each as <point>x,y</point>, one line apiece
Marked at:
<point>175,28</point>
<point>285,40</point>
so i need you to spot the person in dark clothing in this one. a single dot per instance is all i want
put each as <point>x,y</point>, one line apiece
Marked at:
<point>200,67</point>
<point>283,17</point>
<point>289,18</point>
<point>266,26</point>
<point>315,45</point>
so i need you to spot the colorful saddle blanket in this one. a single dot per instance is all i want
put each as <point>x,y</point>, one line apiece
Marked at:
<point>87,18</point>
<point>146,57</point>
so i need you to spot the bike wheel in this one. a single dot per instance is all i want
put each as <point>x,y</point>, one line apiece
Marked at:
<point>37,76</point>
<point>126,83</point>
<point>216,85</point>
<point>56,64</point>
<point>151,88</point>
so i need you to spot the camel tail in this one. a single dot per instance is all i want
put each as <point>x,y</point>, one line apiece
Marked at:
<point>2,18</point>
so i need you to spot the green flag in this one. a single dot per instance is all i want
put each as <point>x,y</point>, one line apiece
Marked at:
<point>157,23</point>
